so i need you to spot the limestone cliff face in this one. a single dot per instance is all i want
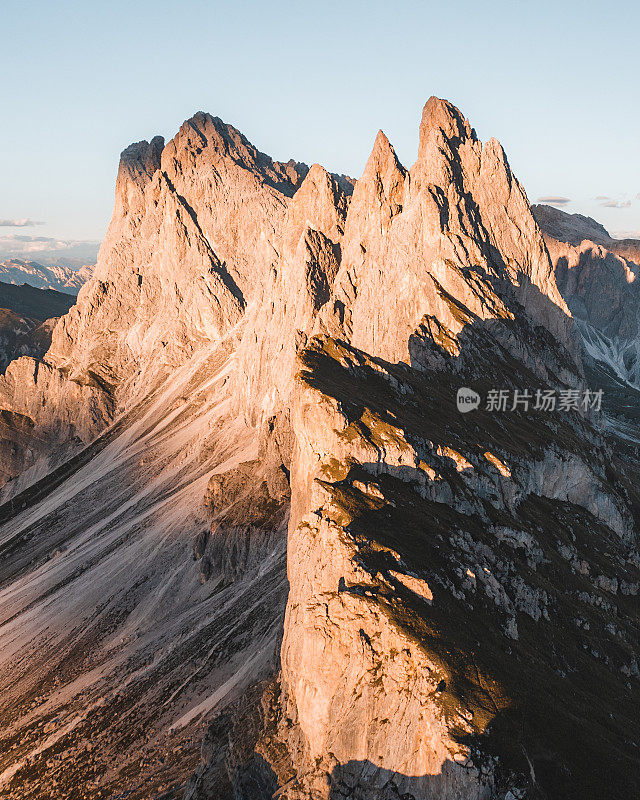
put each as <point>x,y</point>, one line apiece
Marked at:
<point>422,543</point>
<point>211,238</point>
<point>172,272</point>
<point>359,691</point>
<point>298,287</point>
<point>386,268</point>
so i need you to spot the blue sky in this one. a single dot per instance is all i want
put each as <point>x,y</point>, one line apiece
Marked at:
<point>556,82</point>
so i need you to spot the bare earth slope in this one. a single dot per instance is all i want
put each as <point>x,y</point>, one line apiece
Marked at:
<point>113,643</point>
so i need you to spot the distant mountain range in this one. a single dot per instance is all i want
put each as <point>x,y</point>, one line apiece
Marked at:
<point>61,278</point>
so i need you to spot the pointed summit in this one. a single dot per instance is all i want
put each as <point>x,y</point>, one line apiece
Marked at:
<point>441,116</point>
<point>378,193</point>
<point>320,203</point>
<point>383,158</point>
<point>206,139</point>
<point>443,134</point>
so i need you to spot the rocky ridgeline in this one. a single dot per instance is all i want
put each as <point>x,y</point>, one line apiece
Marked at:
<point>462,611</point>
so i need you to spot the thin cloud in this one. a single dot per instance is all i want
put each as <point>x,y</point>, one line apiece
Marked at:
<point>616,203</point>
<point>552,200</point>
<point>46,249</point>
<point>603,197</point>
<point>19,223</point>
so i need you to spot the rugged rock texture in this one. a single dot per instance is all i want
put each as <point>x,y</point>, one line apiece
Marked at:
<point>299,286</point>
<point>193,240</point>
<point>454,228</point>
<point>421,546</point>
<point>386,268</point>
<point>266,346</point>
<point>159,290</point>
<point>455,626</point>
<point>574,229</point>
<point>597,276</point>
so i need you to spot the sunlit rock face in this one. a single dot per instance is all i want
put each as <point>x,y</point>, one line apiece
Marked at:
<point>457,223</point>
<point>190,242</point>
<point>422,543</point>
<point>266,360</point>
<point>437,564</point>
<point>385,267</point>
<point>439,569</point>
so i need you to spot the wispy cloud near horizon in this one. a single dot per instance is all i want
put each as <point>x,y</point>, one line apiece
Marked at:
<point>554,200</point>
<point>632,234</point>
<point>609,203</point>
<point>19,223</point>
<point>45,249</point>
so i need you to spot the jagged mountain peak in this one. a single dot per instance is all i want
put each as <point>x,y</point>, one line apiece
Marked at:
<point>205,130</point>
<point>381,153</point>
<point>208,139</point>
<point>208,226</point>
<point>382,161</point>
<point>323,201</point>
<point>442,125</point>
<point>266,345</point>
<point>442,115</point>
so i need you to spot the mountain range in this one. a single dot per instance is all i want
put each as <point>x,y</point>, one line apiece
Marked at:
<point>58,277</point>
<point>250,546</point>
